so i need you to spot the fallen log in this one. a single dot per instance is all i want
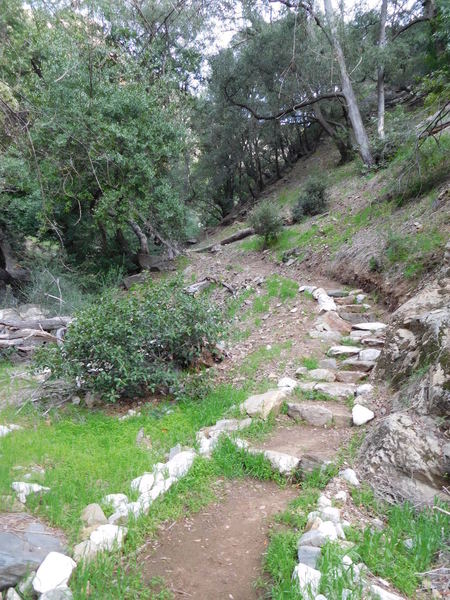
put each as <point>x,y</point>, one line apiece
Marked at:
<point>26,333</point>
<point>235,237</point>
<point>201,285</point>
<point>46,324</point>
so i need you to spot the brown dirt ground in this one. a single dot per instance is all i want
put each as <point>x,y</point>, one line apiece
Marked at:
<point>217,553</point>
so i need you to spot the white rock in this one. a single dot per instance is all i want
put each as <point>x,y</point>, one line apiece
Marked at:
<point>261,405</point>
<point>350,476</point>
<point>317,292</point>
<point>318,537</point>
<point>369,326</point>
<point>24,489</point>
<point>106,537</point>
<point>287,384</point>
<point>241,444</point>
<point>231,424</point>
<point>341,496</point>
<point>115,500</point>
<point>206,444</point>
<point>381,594</point>
<point>361,415</point>
<point>308,580</point>
<point>343,350</point>
<point>326,304</point>
<point>329,513</point>
<point>4,430</point>
<point>143,484</point>
<point>54,572</point>
<point>336,389</point>
<point>323,501</point>
<point>360,298</point>
<point>320,597</point>
<point>284,463</point>
<point>347,561</point>
<point>180,464</point>
<point>369,354</point>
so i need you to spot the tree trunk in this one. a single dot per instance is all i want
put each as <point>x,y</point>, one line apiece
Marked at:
<point>343,148</point>
<point>380,77</point>
<point>143,242</point>
<point>353,110</point>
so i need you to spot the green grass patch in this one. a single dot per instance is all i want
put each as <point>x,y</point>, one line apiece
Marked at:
<point>310,362</point>
<point>413,251</point>
<point>252,363</point>
<point>386,554</point>
<point>87,454</point>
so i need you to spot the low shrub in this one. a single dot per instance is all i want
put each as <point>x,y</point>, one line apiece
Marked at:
<point>312,201</point>
<point>266,221</point>
<point>125,344</point>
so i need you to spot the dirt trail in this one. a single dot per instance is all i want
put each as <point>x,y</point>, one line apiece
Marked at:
<point>217,553</point>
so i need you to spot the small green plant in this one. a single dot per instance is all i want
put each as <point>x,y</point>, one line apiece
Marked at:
<point>266,221</point>
<point>312,201</point>
<point>310,362</point>
<point>125,344</point>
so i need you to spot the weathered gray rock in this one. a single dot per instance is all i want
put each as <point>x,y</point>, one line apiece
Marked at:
<point>359,365</point>
<point>54,572</point>
<point>350,376</point>
<point>308,580</point>
<point>361,415</point>
<point>262,405</point>
<point>85,550</point>
<point>11,594</point>
<point>331,321</point>
<point>407,450</point>
<point>336,390</point>
<point>309,555</point>
<point>23,548</point>
<point>323,501</point>
<point>321,375</point>
<point>301,372</point>
<point>371,354</point>
<point>313,414</point>
<point>328,363</point>
<point>93,515</point>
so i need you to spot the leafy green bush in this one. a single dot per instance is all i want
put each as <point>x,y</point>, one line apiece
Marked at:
<point>125,344</point>
<point>312,201</point>
<point>266,221</point>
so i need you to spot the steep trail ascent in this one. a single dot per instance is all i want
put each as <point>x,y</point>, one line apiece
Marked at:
<point>219,552</point>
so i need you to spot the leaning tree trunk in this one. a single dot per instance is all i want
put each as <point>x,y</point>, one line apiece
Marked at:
<point>347,89</point>
<point>344,150</point>
<point>380,76</point>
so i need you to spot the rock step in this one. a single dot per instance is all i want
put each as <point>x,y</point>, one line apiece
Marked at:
<point>354,308</point>
<point>320,414</point>
<point>334,389</point>
<point>360,365</point>
<point>343,350</point>
<point>356,318</point>
<point>370,326</point>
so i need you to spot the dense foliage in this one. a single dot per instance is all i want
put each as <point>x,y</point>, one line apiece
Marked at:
<point>126,344</point>
<point>266,221</point>
<point>124,126</point>
<point>312,200</point>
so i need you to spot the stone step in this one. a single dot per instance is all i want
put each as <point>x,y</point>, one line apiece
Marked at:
<point>372,341</point>
<point>320,414</point>
<point>356,318</point>
<point>359,365</point>
<point>343,350</point>
<point>354,308</point>
<point>350,376</point>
